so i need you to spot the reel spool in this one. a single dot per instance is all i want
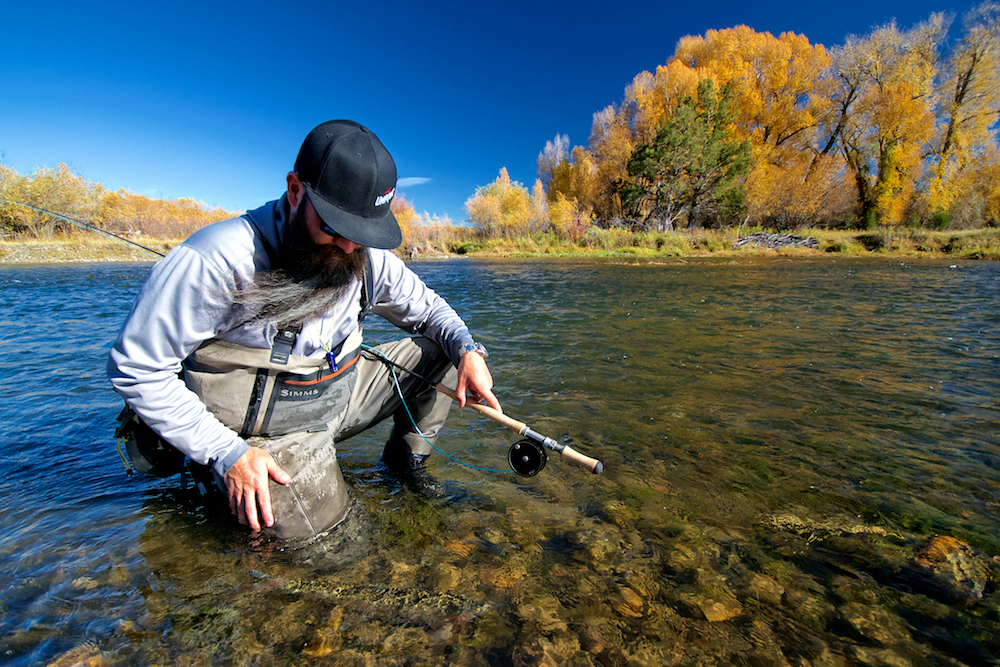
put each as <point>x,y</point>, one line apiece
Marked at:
<point>526,458</point>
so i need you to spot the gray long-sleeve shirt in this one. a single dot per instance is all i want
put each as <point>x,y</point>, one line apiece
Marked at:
<point>187,300</point>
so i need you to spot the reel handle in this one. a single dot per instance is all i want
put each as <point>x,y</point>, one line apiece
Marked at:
<point>593,465</point>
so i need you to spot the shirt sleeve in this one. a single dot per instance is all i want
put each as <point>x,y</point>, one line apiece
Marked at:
<point>403,299</point>
<point>186,300</point>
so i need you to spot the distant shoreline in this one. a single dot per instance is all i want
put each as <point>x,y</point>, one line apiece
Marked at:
<point>971,245</point>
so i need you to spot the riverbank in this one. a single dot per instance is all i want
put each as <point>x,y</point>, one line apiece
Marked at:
<point>895,242</point>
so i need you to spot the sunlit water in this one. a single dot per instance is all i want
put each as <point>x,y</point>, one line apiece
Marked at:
<point>781,438</point>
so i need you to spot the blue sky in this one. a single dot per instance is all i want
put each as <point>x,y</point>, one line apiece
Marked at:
<point>211,100</point>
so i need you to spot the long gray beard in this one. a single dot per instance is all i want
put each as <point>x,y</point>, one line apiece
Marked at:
<point>307,285</point>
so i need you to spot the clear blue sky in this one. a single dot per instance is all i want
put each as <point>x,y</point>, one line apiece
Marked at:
<point>211,100</point>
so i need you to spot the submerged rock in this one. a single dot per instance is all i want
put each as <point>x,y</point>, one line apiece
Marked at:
<point>711,600</point>
<point>875,624</point>
<point>629,603</point>
<point>953,569</point>
<point>815,531</point>
<point>763,587</point>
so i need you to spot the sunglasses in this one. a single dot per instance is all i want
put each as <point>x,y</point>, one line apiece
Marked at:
<point>323,227</point>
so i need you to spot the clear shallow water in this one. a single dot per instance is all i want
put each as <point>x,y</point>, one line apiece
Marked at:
<point>780,438</point>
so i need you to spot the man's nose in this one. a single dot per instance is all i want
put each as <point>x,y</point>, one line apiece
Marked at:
<point>347,246</point>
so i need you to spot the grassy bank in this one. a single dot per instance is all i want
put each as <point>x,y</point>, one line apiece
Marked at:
<point>973,244</point>
<point>895,242</point>
<point>80,248</point>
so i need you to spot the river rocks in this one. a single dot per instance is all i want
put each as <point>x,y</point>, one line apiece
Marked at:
<point>815,531</point>
<point>875,624</point>
<point>712,605</point>
<point>952,568</point>
<point>765,588</point>
<point>618,513</point>
<point>542,616</point>
<point>628,603</point>
<point>328,638</point>
<point>547,652</point>
<point>85,655</point>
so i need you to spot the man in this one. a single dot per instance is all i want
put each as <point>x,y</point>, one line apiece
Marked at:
<point>242,350</point>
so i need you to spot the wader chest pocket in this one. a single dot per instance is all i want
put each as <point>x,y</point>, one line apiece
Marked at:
<point>289,402</point>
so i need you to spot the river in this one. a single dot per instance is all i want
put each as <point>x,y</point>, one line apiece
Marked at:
<point>802,466</point>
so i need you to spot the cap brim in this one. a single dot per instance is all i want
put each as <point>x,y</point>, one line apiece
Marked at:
<point>382,233</point>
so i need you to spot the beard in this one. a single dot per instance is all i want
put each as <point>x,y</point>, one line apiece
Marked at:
<point>310,279</point>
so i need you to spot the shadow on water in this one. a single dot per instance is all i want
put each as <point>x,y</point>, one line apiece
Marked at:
<point>802,468</point>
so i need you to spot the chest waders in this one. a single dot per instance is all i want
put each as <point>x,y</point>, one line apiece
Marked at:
<point>285,409</point>
<point>280,402</point>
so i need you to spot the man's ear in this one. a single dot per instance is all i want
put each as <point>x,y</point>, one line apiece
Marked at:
<point>296,191</point>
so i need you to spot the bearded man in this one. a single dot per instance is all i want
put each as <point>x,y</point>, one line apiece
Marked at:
<point>242,350</point>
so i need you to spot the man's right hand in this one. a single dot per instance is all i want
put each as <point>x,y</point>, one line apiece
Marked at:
<point>247,483</point>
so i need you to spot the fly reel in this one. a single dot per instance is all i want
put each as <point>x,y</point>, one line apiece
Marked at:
<point>526,458</point>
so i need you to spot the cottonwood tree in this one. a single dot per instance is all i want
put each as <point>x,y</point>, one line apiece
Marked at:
<point>970,101</point>
<point>778,92</point>
<point>889,79</point>
<point>555,153</point>
<point>504,208</point>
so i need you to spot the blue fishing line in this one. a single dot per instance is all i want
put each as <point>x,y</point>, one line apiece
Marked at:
<point>399,391</point>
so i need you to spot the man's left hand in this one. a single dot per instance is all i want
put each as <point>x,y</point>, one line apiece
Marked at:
<point>475,381</point>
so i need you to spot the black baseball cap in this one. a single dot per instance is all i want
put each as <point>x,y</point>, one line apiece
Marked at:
<point>350,179</point>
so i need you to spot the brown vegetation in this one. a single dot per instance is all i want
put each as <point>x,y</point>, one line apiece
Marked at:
<point>119,211</point>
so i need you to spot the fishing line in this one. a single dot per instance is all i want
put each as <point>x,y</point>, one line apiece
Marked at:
<point>526,456</point>
<point>399,391</point>
<point>392,366</point>
<point>84,225</point>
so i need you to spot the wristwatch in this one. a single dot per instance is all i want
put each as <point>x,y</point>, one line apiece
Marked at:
<point>478,348</point>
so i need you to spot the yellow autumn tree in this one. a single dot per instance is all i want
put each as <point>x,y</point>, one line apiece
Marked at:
<point>61,191</point>
<point>891,116</point>
<point>651,98</point>
<point>568,219</point>
<point>970,100</point>
<point>773,84</point>
<point>611,146</point>
<point>776,85</point>
<point>772,80</point>
<point>569,182</point>
<point>501,209</point>
<point>575,178</point>
<point>58,190</point>
<point>126,212</point>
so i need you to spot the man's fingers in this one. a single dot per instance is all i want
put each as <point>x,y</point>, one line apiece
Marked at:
<point>264,503</point>
<point>247,481</point>
<point>250,509</point>
<point>277,474</point>
<point>492,401</point>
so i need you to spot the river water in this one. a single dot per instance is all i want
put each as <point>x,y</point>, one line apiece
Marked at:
<point>802,466</point>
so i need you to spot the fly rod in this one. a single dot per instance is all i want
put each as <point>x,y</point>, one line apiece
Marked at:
<point>83,225</point>
<point>526,457</point>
